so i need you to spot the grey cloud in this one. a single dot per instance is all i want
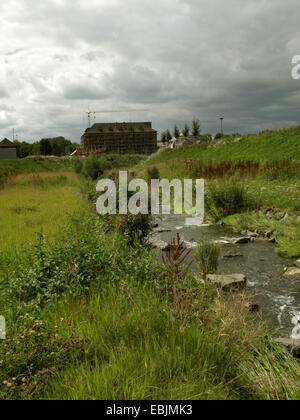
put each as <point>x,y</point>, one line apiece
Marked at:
<point>3,92</point>
<point>76,92</point>
<point>180,58</point>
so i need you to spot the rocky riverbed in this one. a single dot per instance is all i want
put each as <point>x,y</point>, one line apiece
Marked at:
<point>273,281</point>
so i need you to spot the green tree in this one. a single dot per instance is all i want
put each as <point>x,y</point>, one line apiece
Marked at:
<point>23,149</point>
<point>163,137</point>
<point>176,131</point>
<point>168,135</point>
<point>186,131</point>
<point>45,147</point>
<point>196,127</point>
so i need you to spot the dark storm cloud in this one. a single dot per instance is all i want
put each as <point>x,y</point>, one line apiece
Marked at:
<point>180,58</point>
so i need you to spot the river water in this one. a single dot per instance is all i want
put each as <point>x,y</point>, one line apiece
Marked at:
<point>277,296</point>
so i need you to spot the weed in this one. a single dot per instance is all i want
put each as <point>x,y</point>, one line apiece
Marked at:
<point>207,256</point>
<point>135,227</point>
<point>229,198</point>
<point>31,354</point>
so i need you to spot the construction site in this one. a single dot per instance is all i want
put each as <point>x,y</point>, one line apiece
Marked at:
<point>133,137</point>
<point>121,138</point>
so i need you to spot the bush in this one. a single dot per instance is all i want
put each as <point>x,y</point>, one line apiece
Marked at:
<point>207,256</point>
<point>219,136</point>
<point>35,350</point>
<point>92,167</point>
<point>206,137</point>
<point>69,267</point>
<point>77,165</point>
<point>135,227</point>
<point>223,200</point>
<point>153,173</point>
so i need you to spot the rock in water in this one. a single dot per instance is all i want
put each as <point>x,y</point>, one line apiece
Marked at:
<point>292,272</point>
<point>228,282</point>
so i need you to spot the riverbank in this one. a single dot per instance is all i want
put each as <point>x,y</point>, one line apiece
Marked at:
<point>92,314</point>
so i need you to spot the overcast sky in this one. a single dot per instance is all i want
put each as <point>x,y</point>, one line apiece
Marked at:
<point>178,58</point>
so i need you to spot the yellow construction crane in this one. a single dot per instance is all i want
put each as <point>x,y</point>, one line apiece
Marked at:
<point>89,113</point>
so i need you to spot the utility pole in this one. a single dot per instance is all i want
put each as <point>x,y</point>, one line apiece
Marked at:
<point>13,134</point>
<point>222,124</point>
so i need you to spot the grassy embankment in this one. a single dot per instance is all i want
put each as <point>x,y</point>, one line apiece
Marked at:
<point>91,316</point>
<point>266,165</point>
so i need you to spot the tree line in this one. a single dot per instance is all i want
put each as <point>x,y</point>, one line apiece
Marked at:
<point>56,146</point>
<point>187,131</point>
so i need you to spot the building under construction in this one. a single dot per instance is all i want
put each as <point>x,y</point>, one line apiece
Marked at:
<point>120,138</point>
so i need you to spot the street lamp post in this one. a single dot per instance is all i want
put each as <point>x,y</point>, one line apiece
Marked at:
<point>222,124</point>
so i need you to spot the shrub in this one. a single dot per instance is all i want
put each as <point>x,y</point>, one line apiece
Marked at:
<point>219,136</point>
<point>153,173</point>
<point>29,357</point>
<point>135,227</point>
<point>92,167</point>
<point>68,267</point>
<point>207,256</point>
<point>223,200</point>
<point>77,165</point>
<point>206,137</point>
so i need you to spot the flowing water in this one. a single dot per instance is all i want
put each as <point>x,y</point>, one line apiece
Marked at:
<point>277,296</point>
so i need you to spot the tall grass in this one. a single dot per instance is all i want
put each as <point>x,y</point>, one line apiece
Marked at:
<point>135,349</point>
<point>30,203</point>
<point>207,256</point>
<point>224,199</point>
<point>211,169</point>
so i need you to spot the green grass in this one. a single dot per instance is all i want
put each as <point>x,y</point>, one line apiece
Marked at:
<point>266,146</point>
<point>31,203</point>
<point>136,351</point>
<point>207,256</point>
<point>88,316</point>
<point>263,189</point>
<point>225,198</point>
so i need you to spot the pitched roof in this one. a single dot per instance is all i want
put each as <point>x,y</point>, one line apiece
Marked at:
<point>6,143</point>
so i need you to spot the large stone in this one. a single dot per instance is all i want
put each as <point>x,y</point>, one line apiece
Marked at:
<point>292,345</point>
<point>292,272</point>
<point>249,233</point>
<point>228,282</point>
<point>280,215</point>
<point>243,240</point>
<point>235,241</point>
<point>161,230</point>
<point>158,243</point>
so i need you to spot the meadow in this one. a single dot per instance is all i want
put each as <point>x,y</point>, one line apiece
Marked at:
<point>92,314</point>
<point>31,203</point>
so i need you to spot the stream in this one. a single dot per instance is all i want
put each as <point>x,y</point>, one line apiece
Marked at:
<point>277,296</point>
